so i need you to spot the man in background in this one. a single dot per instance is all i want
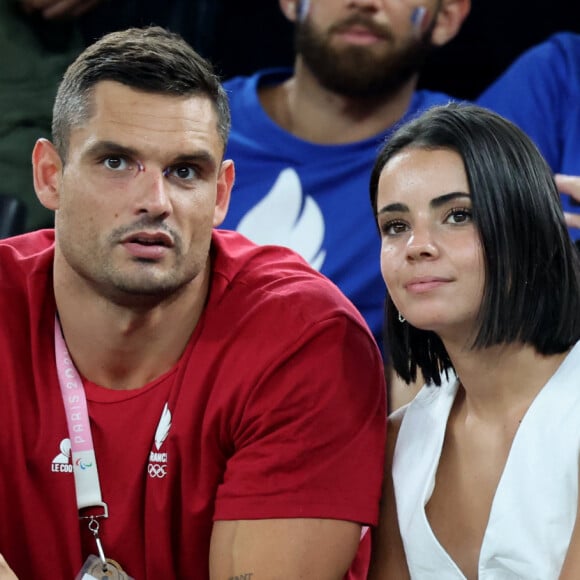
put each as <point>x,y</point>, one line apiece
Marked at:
<point>304,140</point>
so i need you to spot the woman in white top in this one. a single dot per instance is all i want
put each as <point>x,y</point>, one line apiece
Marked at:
<point>484,299</point>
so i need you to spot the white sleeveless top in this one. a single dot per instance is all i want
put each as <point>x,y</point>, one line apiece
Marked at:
<point>534,507</point>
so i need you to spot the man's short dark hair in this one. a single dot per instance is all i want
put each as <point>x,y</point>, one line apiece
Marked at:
<point>148,59</point>
<point>532,269</point>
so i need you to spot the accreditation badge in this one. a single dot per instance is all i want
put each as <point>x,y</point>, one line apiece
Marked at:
<point>94,569</point>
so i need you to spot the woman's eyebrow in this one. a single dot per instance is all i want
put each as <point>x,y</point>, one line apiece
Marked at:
<point>434,203</point>
<point>443,199</point>
<point>397,206</point>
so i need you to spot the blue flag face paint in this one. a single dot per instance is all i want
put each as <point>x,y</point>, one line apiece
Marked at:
<point>303,9</point>
<point>418,18</point>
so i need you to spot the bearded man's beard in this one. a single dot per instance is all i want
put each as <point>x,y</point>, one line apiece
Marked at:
<point>360,71</point>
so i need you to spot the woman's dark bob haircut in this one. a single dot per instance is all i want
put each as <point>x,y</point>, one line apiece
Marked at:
<point>532,269</point>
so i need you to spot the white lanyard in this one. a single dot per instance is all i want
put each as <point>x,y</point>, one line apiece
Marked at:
<point>77,417</point>
<point>88,489</point>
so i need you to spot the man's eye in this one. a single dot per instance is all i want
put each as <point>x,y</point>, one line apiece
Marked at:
<point>184,172</point>
<point>116,163</point>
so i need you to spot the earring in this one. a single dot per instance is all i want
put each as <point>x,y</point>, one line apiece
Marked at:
<point>402,318</point>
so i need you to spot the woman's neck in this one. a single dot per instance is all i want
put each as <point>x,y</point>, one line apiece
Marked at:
<point>499,379</point>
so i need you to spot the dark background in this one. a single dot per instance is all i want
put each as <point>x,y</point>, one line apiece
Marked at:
<point>240,36</point>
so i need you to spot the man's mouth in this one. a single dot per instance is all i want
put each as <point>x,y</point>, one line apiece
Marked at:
<point>148,246</point>
<point>150,239</point>
<point>363,29</point>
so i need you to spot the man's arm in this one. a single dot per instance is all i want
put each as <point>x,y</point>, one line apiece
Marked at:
<point>307,460</point>
<point>300,548</point>
<point>388,555</point>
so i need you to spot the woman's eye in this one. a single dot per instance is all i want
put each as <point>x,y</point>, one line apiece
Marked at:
<point>392,228</point>
<point>459,216</point>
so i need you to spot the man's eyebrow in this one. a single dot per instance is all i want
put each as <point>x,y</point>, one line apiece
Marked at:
<point>110,148</point>
<point>203,157</point>
<point>434,203</point>
<point>103,148</point>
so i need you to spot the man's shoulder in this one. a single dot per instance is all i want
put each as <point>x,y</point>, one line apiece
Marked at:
<point>239,260</point>
<point>273,277</point>
<point>561,48</point>
<point>25,277</point>
<point>27,252</point>
<point>553,63</point>
<point>259,78</point>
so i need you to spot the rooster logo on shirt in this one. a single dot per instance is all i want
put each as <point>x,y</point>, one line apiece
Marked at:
<point>157,468</point>
<point>287,217</point>
<point>163,427</point>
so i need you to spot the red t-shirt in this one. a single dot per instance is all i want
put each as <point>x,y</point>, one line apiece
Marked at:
<point>275,410</point>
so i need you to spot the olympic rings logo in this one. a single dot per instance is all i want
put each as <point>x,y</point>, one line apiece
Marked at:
<point>156,470</point>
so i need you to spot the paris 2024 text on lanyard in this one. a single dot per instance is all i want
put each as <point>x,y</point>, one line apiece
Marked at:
<point>88,489</point>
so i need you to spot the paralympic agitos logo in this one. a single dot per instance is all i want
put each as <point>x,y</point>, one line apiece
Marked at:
<point>82,464</point>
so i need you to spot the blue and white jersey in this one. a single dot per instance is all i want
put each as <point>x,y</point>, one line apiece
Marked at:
<point>309,197</point>
<point>315,198</point>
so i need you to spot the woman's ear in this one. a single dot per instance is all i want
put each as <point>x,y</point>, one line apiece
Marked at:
<point>449,20</point>
<point>47,173</point>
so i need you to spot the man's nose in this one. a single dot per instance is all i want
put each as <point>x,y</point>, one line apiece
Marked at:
<point>153,195</point>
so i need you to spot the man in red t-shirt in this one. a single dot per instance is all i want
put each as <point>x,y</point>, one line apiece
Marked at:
<point>224,401</point>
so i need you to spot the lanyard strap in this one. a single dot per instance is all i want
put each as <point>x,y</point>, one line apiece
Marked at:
<point>88,489</point>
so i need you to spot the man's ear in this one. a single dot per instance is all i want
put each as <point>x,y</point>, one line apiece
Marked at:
<point>289,9</point>
<point>47,173</point>
<point>225,182</point>
<point>449,20</point>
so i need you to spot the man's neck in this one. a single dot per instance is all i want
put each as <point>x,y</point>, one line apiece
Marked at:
<point>125,348</point>
<point>309,111</point>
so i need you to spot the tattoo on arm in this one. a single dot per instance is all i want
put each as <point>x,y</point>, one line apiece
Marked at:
<point>245,576</point>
